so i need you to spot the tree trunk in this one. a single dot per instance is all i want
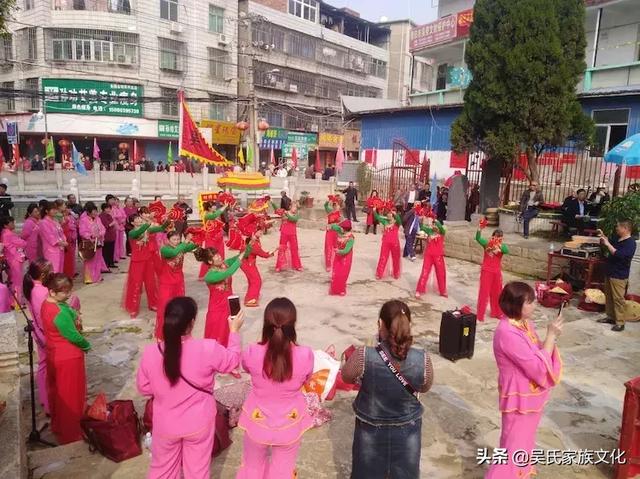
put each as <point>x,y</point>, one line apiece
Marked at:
<point>532,166</point>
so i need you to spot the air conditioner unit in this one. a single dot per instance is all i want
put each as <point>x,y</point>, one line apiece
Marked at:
<point>121,59</point>
<point>280,85</point>
<point>222,40</point>
<point>293,88</point>
<point>176,27</point>
<point>314,128</point>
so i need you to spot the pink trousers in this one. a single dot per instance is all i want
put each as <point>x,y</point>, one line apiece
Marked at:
<point>6,299</point>
<point>518,433</point>
<point>256,463</point>
<point>171,458</point>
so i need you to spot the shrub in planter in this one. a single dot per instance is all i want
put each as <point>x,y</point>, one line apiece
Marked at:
<point>621,207</point>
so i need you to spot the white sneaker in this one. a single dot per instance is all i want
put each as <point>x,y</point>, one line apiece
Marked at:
<point>413,258</point>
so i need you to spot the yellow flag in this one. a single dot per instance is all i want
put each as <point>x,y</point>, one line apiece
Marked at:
<point>241,156</point>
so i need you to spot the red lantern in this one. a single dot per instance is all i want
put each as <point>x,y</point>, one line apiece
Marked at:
<point>123,146</point>
<point>242,125</point>
<point>63,143</point>
<point>263,125</point>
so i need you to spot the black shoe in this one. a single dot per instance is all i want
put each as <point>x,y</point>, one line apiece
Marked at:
<point>526,236</point>
<point>618,328</point>
<point>606,321</point>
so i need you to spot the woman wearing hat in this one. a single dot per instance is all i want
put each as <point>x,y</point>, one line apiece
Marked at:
<point>332,208</point>
<point>343,259</point>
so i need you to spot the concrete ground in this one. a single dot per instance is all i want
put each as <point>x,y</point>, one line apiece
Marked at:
<point>461,413</point>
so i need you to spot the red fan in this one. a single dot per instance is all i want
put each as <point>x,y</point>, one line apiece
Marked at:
<point>334,199</point>
<point>280,212</point>
<point>226,198</point>
<point>158,210</point>
<point>494,243</point>
<point>248,224</point>
<point>483,223</point>
<point>176,214</point>
<point>236,241</point>
<point>197,234</point>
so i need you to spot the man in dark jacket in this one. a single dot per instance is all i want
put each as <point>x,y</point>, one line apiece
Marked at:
<point>285,201</point>
<point>73,205</point>
<point>350,198</point>
<point>574,209</point>
<point>411,225</point>
<point>182,224</point>
<point>5,201</point>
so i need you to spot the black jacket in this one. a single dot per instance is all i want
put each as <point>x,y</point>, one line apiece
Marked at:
<point>350,195</point>
<point>5,205</point>
<point>285,203</point>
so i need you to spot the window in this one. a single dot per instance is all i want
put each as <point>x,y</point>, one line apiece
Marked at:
<point>378,68</point>
<point>28,4</point>
<point>217,61</point>
<point>216,19</point>
<point>217,111</point>
<point>611,129</point>
<point>92,46</point>
<point>441,79</point>
<point>301,46</point>
<point>169,101</point>
<point>172,55</point>
<point>62,49</point>
<point>268,34</point>
<point>6,48</point>
<point>169,10</point>
<point>426,72</point>
<point>307,9</point>
<point>31,85</point>
<point>9,101</point>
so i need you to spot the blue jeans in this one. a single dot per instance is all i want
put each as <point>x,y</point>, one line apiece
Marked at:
<point>386,451</point>
<point>527,216</point>
<point>409,246</point>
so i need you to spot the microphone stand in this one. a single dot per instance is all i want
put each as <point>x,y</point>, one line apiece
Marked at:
<point>35,434</point>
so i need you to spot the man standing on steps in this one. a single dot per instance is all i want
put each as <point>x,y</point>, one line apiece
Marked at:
<point>350,198</point>
<point>285,201</point>
<point>621,248</point>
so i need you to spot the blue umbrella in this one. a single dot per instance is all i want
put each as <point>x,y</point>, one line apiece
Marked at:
<point>626,153</point>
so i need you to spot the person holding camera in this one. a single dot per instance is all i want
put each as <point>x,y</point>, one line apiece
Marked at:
<point>622,248</point>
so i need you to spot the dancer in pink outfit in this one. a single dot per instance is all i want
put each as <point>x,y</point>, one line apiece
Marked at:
<point>274,415</point>
<point>52,237</point>
<point>119,215</point>
<point>30,233</point>
<point>92,230</point>
<point>179,374</point>
<point>14,254</point>
<point>527,371</point>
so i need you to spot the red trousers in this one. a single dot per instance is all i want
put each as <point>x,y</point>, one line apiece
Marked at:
<point>490,289</point>
<point>254,281</point>
<point>166,292</point>
<point>218,244</point>
<point>140,272</point>
<point>330,243</point>
<point>67,392</point>
<point>69,267</point>
<point>340,275</point>
<point>436,262</point>
<point>387,249</point>
<point>288,252</point>
<point>217,322</point>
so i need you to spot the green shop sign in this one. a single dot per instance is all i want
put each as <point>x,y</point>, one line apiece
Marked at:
<point>302,142</point>
<point>90,97</point>
<point>168,129</point>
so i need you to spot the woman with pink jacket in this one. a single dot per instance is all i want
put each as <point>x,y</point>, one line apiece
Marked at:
<point>119,215</point>
<point>92,229</point>
<point>274,415</point>
<point>14,253</point>
<point>52,237</point>
<point>30,234</point>
<point>527,371</point>
<point>179,374</point>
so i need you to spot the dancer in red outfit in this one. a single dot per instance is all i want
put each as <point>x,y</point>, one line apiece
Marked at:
<point>343,259</point>
<point>213,227</point>
<point>390,242</point>
<point>218,279</point>
<point>288,249</point>
<point>250,268</point>
<point>332,208</point>
<point>141,267</point>
<point>66,377</point>
<point>171,280</point>
<point>373,203</point>
<point>490,273</point>
<point>433,257</point>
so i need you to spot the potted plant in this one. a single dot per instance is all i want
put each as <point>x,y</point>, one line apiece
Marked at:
<point>306,200</point>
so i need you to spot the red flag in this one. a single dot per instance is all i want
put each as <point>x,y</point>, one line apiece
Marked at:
<point>16,153</point>
<point>424,169</point>
<point>412,157</point>
<point>135,152</point>
<point>318,166</point>
<point>339,158</point>
<point>1,159</point>
<point>294,158</point>
<point>192,143</point>
<point>458,160</point>
<point>273,158</point>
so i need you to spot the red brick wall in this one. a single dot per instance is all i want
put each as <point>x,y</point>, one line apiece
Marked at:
<point>280,5</point>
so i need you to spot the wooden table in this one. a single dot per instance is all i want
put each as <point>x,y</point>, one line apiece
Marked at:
<point>419,245</point>
<point>590,262</point>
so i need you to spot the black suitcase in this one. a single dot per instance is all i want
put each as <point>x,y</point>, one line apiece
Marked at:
<point>457,335</point>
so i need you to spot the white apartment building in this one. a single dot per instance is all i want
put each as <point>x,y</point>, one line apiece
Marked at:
<point>399,77</point>
<point>111,70</point>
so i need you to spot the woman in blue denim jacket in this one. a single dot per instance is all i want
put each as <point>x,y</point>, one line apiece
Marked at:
<point>387,436</point>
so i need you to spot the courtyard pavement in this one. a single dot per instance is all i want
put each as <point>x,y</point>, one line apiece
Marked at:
<point>461,414</point>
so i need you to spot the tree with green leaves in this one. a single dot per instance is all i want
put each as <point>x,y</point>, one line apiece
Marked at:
<point>6,8</point>
<point>526,58</point>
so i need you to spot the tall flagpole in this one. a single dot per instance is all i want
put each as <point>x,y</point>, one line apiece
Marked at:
<point>180,127</point>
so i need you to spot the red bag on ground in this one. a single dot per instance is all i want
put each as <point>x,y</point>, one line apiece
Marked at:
<point>98,410</point>
<point>118,437</point>
<point>550,299</point>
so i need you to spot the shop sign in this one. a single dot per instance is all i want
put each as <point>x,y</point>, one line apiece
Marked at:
<point>223,132</point>
<point>465,20</point>
<point>352,140</point>
<point>13,135</point>
<point>440,31</point>
<point>274,138</point>
<point>168,129</point>
<point>329,140</point>
<point>92,97</point>
<point>302,142</point>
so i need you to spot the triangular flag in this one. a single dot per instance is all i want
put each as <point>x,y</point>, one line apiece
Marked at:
<point>318,165</point>
<point>339,158</point>
<point>75,156</point>
<point>170,155</point>
<point>135,152</point>
<point>96,150</point>
<point>424,169</point>
<point>294,158</point>
<point>193,144</point>
<point>272,157</point>
<point>249,155</point>
<point>50,151</point>
<point>241,156</point>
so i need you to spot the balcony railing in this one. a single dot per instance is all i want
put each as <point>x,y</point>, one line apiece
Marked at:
<point>615,76</point>
<point>110,6</point>
<point>448,96</point>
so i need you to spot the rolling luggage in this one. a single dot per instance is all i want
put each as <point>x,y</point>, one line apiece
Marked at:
<point>457,334</point>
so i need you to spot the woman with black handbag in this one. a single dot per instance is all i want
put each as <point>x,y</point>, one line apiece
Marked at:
<point>179,374</point>
<point>387,436</point>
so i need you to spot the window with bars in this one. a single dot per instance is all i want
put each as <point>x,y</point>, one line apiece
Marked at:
<point>27,43</point>
<point>306,9</point>
<point>378,68</point>
<point>301,46</point>
<point>6,49</point>
<point>169,101</point>
<point>172,55</point>
<point>217,61</point>
<point>216,19</point>
<point>112,6</point>
<point>169,10</point>
<point>269,34</point>
<point>31,85</point>
<point>28,4</point>
<point>8,102</point>
<point>217,111</point>
<point>84,45</point>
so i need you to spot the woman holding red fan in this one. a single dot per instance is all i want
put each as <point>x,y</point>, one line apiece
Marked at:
<point>252,229</point>
<point>213,228</point>
<point>491,271</point>
<point>332,208</point>
<point>343,259</point>
<point>373,203</point>
<point>391,222</point>
<point>288,249</point>
<point>433,257</point>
